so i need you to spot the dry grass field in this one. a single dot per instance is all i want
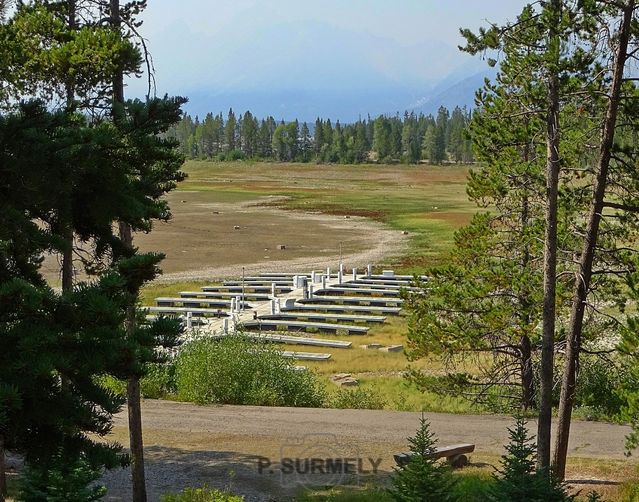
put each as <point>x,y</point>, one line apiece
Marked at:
<point>316,211</point>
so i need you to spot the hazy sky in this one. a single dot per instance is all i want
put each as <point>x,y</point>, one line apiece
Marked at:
<point>217,47</point>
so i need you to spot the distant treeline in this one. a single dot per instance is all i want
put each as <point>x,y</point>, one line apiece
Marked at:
<point>410,139</point>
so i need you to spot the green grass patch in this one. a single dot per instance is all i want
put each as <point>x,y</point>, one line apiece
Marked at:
<point>364,493</point>
<point>399,394</point>
<point>157,289</point>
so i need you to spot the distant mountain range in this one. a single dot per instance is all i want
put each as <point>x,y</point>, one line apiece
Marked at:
<point>311,69</point>
<point>347,105</point>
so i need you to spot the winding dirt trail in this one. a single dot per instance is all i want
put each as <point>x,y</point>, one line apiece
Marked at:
<point>189,445</point>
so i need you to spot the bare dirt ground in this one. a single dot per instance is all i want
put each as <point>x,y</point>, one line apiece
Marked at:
<point>224,446</point>
<point>202,242</point>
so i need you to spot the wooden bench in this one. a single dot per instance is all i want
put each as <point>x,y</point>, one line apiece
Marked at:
<point>454,454</point>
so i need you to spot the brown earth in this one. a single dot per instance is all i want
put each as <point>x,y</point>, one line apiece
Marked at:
<point>222,446</point>
<point>202,241</point>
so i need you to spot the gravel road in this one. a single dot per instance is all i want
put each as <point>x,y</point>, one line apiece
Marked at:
<point>241,446</point>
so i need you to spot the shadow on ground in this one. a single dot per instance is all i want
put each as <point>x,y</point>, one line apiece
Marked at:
<point>169,470</point>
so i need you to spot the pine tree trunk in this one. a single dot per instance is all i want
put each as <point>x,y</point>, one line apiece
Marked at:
<point>525,347</point>
<point>582,280</point>
<point>136,443</point>
<point>135,439</point>
<point>67,255</point>
<point>67,260</point>
<point>3,474</point>
<point>527,376</point>
<point>550,251</point>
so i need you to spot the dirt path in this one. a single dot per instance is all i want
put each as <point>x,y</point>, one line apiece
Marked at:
<point>189,445</point>
<point>215,240</point>
<point>306,248</point>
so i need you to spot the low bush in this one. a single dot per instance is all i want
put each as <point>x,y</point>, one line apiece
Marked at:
<point>358,398</point>
<point>63,480</point>
<point>203,494</point>
<point>241,370</point>
<point>599,384</point>
<point>159,382</point>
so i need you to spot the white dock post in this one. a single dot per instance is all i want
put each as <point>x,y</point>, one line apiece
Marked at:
<point>189,320</point>
<point>278,306</point>
<point>273,306</point>
<point>341,268</point>
<point>232,305</point>
<point>339,277</point>
<point>369,270</point>
<point>354,274</point>
<point>273,290</point>
<point>323,282</point>
<point>239,304</point>
<point>225,326</point>
<point>310,290</point>
<point>328,273</point>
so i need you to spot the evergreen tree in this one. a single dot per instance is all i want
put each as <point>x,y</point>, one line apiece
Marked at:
<point>327,135</point>
<point>229,131</point>
<point>411,141</point>
<point>338,153</point>
<point>249,135</point>
<point>265,140</point>
<point>382,138</point>
<point>437,153</point>
<point>318,137</point>
<point>456,139</point>
<point>429,147</point>
<point>306,148</point>
<point>280,150</point>
<point>518,480</point>
<point>422,478</point>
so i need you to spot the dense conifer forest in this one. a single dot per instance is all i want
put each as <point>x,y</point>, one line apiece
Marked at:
<point>410,138</point>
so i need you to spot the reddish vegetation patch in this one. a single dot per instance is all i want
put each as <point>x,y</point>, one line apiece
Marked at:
<point>454,218</point>
<point>414,262</point>
<point>366,213</point>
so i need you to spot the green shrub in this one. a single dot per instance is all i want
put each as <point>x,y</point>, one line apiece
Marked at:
<point>423,478</point>
<point>158,383</point>
<point>519,480</point>
<point>63,480</point>
<point>113,384</point>
<point>203,494</point>
<point>471,485</point>
<point>241,370</point>
<point>599,384</point>
<point>360,399</point>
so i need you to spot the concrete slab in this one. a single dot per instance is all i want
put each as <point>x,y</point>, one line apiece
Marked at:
<point>357,291</point>
<point>297,340</point>
<point>344,308</point>
<point>223,295</point>
<point>315,316</point>
<point>357,300</point>
<point>196,312</point>
<point>290,325</point>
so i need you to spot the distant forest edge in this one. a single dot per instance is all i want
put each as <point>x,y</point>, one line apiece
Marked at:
<point>409,139</point>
